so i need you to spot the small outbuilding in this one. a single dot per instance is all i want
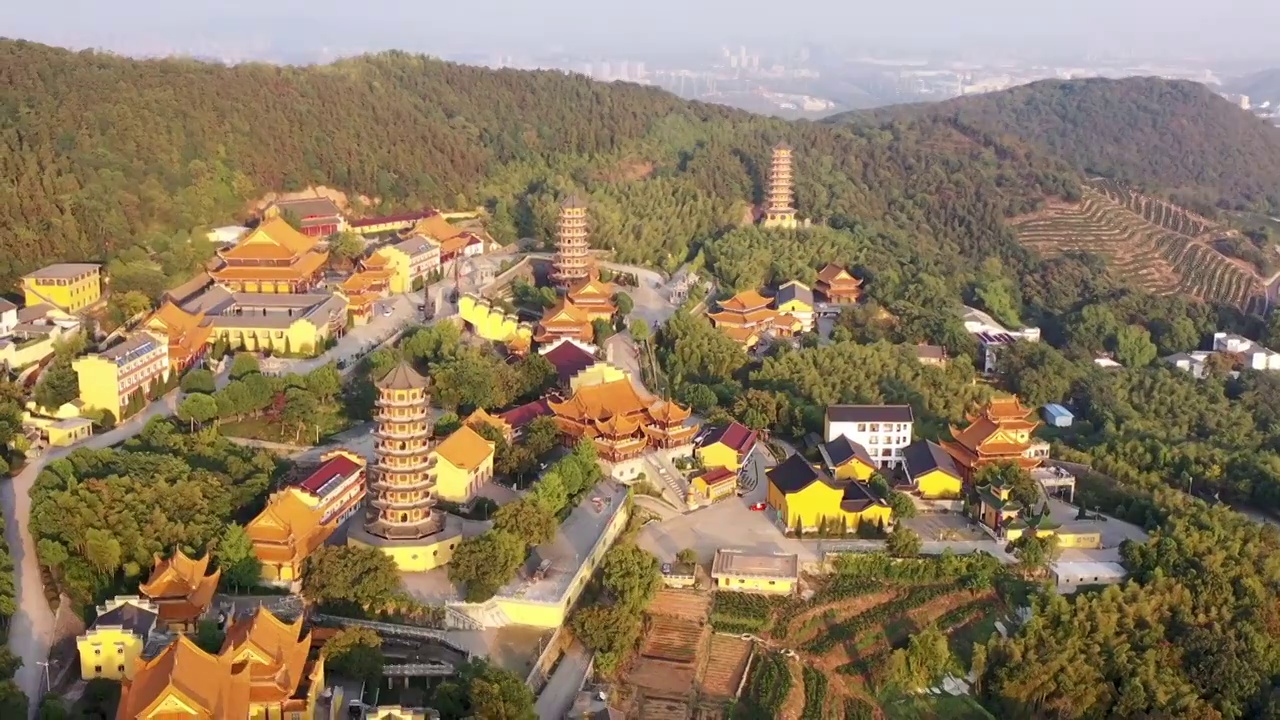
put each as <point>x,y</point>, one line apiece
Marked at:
<point>1056,415</point>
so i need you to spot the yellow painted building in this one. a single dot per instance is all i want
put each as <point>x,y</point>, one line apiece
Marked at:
<point>597,374</point>
<point>848,460</point>
<point>931,471</point>
<point>22,351</point>
<point>70,287</point>
<point>490,323</point>
<point>110,378</point>
<point>796,299</point>
<point>409,260</point>
<point>742,572</point>
<point>713,485</point>
<point>805,496</point>
<point>59,432</point>
<point>464,462</point>
<point>726,446</point>
<point>396,712</point>
<point>110,648</point>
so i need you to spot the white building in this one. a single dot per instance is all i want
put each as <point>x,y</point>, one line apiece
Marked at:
<point>1070,575</point>
<point>884,430</point>
<point>8,317</point>
<point>992,336</point>
<point>1256,357</point>
<point>1192,362</point>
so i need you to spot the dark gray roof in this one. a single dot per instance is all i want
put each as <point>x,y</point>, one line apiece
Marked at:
<point>842,449</point>
<point>573,202</point>
<point>870,413</point>
<point>64,271</point>
<point>923,456</point>
<point>857,497</point>
<point>6,306</point>
<point>129,617</point>
<point>310,207</point>
<point>795,291</point>
<point>795,474</point>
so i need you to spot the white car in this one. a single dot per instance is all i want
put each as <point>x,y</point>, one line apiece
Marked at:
<point>386,311</point>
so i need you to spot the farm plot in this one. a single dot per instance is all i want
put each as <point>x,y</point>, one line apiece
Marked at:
<point>726,661</point>
<point>683,604</point>
<point>654,707</point>
<point>672,639</point>
<point>1155,245</point>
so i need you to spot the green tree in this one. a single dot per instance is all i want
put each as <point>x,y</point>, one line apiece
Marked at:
<point>240,565</point>
<point>300,409</point>
<point>350,578</point>
<point>485,563</point>
<point>244,365</point>
<point>356,653</point>
<point>1133,346</point>
<point>926,659</point>
<point>528,519</point>
<point>687,556</point>
<point>325,382</point>
<point>209,637</point>
<point>345,248</point>
<point>198,380</point>
<point>632,575</point>
<point>903,542</point>
<point>624,304</point>
<point>197,408</point>
<point>58,385</point>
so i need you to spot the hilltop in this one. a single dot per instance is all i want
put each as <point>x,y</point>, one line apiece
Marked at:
<point>1172,137</point>
<point>1259,86</point>
<point>107,152</point>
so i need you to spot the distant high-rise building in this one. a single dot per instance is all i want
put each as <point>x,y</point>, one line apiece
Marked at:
<point>640,71</point>
<point>606,72</point>
<point>586,69</point>
<point>742,56</point>
<point>1244,102</point>
<point>780,209</point>
<point>733,61</point>
<point>572,262</point>
<point>624,70</point>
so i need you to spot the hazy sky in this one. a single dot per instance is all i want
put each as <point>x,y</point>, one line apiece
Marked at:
<point>149,26</point>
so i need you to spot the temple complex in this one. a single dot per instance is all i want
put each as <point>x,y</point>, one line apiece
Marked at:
<point>572,262</point>
<point>188,334</point>
<point>622,421</point>
<point>181,590</point>
<point>747,316</point>
<point>780,208</point>
<point>188,682</point>
<point>273,258</point>
<point>1001,433</point>
<point>837,285</point>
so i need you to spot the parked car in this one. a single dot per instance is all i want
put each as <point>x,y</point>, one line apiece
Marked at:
<point>758,507</point>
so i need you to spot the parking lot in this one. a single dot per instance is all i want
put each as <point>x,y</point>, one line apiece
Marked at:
<point>945,526</point>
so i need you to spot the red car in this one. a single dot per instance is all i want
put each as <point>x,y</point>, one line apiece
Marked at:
<point>758,507</point>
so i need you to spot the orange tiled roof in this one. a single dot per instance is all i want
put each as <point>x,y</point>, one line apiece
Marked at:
<point>617,426</point>
<point>565,313</point>
<point>305,266</point>
<point>597,402</point>
<point>289,521</point>
<point>667,412</point>
<point>833,274</point>
<point>187,332</point>
<point>591,289</point>
<point>744,335</point>
<point>211,687</point>
<point>180,577</point>
<point>465,448</point>
<point>437,227</point>
<point>480,417</point>
<point>274,239</point>
<point>275,653</point>
<point>745,301</point>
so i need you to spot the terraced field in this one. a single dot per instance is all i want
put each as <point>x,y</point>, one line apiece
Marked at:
<point>1156,245</point>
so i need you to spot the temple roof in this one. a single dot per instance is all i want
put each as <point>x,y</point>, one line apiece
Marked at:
<point>842,450</point>
<point>745,301</point>
<point>275,653</point>
<point>667,412</point>
<point>735,436</point>
<point>465,448</point>
<point>574,202</point>
<point>181,578</point>
<point>833,274</point>
<point>795,291</point>
<point>988,432</point>
<point>273,239</point>
<point>402,377</point>
<point>923,456</point>
<point>288,519</point>
<point>732,318</point>
<point>480,417</point>
<point>795,474</point>
<point>186,331</point>
<point>569,359</point>
<point>599,402</point>
<point>565,313</point>
<point>857,497</point>
<point>184,681</point>
<point>591,289</point>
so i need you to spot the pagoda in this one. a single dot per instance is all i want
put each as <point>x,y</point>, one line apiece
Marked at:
<point>780,208</point>
<point>1000,433</point>
<point>572,263</point>
<point>403,487</point>
<point>623,422</point>
<point>274,258</point>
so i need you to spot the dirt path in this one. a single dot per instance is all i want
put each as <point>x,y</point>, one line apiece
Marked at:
<point>793,708</point>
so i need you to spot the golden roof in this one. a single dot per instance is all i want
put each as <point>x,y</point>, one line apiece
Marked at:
<point>365,280</point>
<point>275,653</point>
<point>1007,409</point>
<point>745,301</point>
<point>739,334</point>
<point>989,433</point>
<point>591,289</point>
<point>185,682</point>
<point>376,260</point>
<point>273,239</point>
<point>181,577</point>
<point>188,332</point>
<point>437,228</point>
<point>305,266</point>
<point>402,377</point>
<point>465,448</point>
<point>617,426</point>
<point>599,402</point>
<point>667,412</point>
<point>565,313</point>
<point>480,417</point>
<point>287,519</point>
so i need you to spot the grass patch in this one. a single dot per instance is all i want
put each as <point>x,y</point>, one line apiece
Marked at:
<point>933,707</point>
<point>329,423</point>
<point>978,631</point>
<point>899,629</point>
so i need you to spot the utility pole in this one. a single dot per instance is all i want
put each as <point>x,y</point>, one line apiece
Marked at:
<point>45,670</point>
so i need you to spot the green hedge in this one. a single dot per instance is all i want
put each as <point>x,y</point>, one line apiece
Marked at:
<point>851,628</point>
<point>736,612</point>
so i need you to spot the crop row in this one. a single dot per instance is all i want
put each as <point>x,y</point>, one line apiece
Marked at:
<point>815,694</point>
<point>768,688</point>
<point>740,612</point>
<point>854,626</point>
<point>839,587</point>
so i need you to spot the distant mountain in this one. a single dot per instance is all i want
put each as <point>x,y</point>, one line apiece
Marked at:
<point>1260,86</point>
<point>1172,137</point>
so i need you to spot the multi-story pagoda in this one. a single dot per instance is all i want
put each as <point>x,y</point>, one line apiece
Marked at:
<point>572,263</point>
<point>780,208</point>
<point>403,487</point>
<point>1001,433</point>
<point>623,422</point>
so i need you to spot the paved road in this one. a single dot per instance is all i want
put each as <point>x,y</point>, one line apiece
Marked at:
<point>562,688</point>
<point>31,629</point>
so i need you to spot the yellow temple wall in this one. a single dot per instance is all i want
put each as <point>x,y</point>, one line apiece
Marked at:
<point>718,455</point>
<point>428,555</point>
<point>491,323</point>
<point>598,374</point>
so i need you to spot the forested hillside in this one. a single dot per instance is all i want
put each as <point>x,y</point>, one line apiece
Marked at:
<point>103,152</point>
<point>1168,136</point>
<point>1260,86</point>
